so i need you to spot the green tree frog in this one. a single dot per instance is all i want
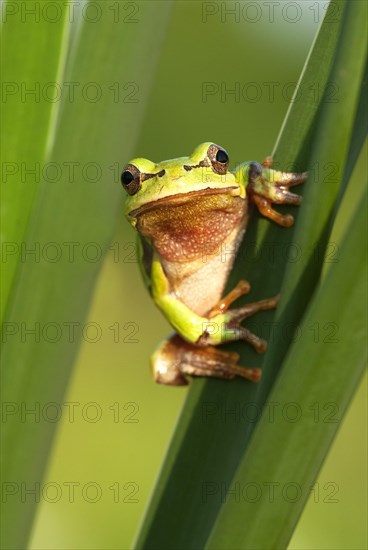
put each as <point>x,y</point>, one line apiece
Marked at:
<point>188,211</point>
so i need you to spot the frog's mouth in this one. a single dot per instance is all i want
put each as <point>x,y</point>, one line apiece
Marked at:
<point>181,199</point>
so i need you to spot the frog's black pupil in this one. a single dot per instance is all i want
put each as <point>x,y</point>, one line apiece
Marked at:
<point>222,157</point>
<point>126,177</point>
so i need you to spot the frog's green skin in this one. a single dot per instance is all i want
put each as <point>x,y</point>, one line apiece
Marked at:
<point>191,214</point>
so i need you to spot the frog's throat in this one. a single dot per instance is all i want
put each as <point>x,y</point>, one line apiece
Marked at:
<point>185,231</point>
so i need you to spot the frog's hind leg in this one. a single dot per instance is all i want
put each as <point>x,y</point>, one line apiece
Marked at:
<point>175,359</point>
<point>236,316</point>
<point>232,329</point>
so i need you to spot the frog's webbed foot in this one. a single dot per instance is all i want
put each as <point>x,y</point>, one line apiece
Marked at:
<point>267,186</point>
<point>230,327</point>
<point>175,359</point>
<point>236,316</point>
<point>231,318</point>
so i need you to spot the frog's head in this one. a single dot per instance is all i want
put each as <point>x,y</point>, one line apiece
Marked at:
<point>205,172</point>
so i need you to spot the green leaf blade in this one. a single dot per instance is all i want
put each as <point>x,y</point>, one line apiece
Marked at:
<point>322,195</point>
<point>330,375</point>
<point>24,129</point>
<point>71,221</point>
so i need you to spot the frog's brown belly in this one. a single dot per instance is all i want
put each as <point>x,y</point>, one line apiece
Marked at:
<point>200,284</point>
<point>196,240</point>
<point>182,233</point>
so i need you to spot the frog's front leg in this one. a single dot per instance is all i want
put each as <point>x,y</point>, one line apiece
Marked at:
<point>265,186</point>
<point>175,359</point>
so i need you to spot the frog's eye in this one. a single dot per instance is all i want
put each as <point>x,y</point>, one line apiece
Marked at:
<point>219,158</point>
<point>222,156</point>
<point>131,179</point>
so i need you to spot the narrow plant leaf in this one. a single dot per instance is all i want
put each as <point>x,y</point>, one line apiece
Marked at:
<point>91,135</point>
<point>213,431</point>
<point>24,126</point>
<point>359,133</point>
<point>331,147</point>
<point>284,457</point>
<point>312,233</point>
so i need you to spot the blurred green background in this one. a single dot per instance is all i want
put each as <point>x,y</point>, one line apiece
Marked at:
<point>250,62</point>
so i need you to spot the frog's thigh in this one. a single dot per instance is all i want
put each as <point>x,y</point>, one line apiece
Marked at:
<point>175,358</point>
